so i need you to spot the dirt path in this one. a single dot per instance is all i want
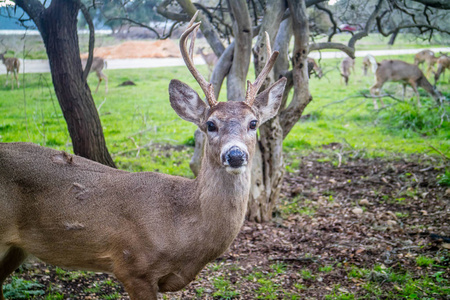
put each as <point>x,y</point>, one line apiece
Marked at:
<point>42,66</point>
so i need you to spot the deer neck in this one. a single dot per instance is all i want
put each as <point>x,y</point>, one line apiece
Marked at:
<point>223,196</point>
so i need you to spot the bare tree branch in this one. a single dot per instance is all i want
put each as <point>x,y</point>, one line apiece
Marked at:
<point>338,46</point>
<point>207,29</point>
<point>88,19</point>
<point>331,17</point>
<point>440,4</point>
<point>242,29</point>
<point>369,22</point>
<point>301,98</point>
<point>163,11</point>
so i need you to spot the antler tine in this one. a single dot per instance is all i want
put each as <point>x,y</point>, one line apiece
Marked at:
<point>253,88</point>
<point>207,87</point>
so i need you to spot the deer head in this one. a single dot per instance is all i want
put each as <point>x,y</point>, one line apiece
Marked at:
<point>230,127</point>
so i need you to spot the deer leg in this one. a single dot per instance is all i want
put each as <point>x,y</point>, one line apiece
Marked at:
<point>414,87</point>
<point>106,83</point>
<point>16,75</point>
<point>9,263</point>
<point>404,91</point>
<point>375,91</point>
<point>137,286</point>
<point>99,81</point>
<point>6,80</point>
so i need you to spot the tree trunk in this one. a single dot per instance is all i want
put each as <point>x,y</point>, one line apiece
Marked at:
<point>268,165</point>
<point>393,37</point>
<point>58,27</point>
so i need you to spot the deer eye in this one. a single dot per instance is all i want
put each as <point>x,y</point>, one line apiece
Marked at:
<point>211,126</point>
<point>253,124</point>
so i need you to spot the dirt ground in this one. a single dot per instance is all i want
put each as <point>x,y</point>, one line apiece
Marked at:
<point>138,49</point>
<point>346,212</point>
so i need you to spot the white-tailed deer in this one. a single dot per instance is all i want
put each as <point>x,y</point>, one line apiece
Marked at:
<point>426,56</point>
<point>443,63</point>
<point>12,65</point>
<point>346,64</point>
<point>154,231</point>
<point>210,58</point>
<point>313,68</point>
<point>369,61</point>
<point>98,64</point>
<point>397,70</point>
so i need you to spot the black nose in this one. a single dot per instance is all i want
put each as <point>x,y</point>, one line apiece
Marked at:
<point>236,157</point>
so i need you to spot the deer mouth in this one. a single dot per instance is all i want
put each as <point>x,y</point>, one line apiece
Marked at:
<point>235,160</point>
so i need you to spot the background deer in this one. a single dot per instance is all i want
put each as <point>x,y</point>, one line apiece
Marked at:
<point>12,65</point>
<point>426,56</point>
<point>369,61</point>
<point>155,232</point>
<point>210,58</point>
<point>98,64</point>
<point>397,70</point>
<point>313,68</point>
<point>346,64</point>
<point>443,63</point>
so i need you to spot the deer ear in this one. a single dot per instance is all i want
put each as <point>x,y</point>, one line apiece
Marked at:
<point>268,102</point>
<point>186,102</point>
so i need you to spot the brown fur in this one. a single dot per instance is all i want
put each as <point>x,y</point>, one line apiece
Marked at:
<point>346,64</point>
<point>426,56</point>
<point>443,63</point>
<point>98,64</point>
<point>12,65</point>
<point>397,70</point>
<point>313,68</point>
<point>154,231</point>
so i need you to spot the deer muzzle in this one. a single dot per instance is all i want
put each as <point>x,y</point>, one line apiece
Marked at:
<point>235,159</point>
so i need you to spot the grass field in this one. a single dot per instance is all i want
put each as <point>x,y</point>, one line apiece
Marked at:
<point>137,116</point>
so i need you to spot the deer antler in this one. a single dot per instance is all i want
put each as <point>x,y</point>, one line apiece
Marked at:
<point>207,87</point>
<point>253,88</point>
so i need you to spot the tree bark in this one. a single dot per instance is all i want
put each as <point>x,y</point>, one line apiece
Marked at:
<point>393,37</point>
<point>301,98</point>
<point>242,29</point>
<point>58,27</point>
<point>268,164</point>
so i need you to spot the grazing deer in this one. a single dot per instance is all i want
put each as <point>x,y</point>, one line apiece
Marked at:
<point>154,231</point>
<point>98,64</point>
<point>443,63</point>
<point>12,65</point>
<point>346,64</point>
<point>313,68</point>
<point>426,56</point>
<point>369,61</point>
<point>397,70</point>
<point>210,58</point>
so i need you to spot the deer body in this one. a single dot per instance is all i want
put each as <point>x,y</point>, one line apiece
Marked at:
<point>426,56</point>
<point>143,226</point>
<point>346,64</point>
<point>154,231</point>
<point>397,70</point>
<point>369,61</point>
<point>443,63</point>
<point>98,64</point>
<point>12,65</point>
<point>313,67</point>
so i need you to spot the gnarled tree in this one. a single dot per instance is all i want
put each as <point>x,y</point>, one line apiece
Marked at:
<point>57,24</point>
<point>239,21</point>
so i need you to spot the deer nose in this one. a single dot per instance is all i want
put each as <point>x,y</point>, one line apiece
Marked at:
<point>235,157</point>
